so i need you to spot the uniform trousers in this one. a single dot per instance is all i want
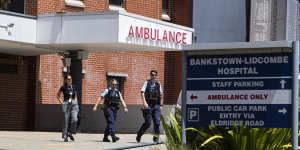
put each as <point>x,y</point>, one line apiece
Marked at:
<point>152,113</point>
<point>110,114</point>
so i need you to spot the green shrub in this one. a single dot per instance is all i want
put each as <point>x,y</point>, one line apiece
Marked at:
<point>236,138</point>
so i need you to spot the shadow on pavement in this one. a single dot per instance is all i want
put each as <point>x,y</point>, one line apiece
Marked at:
<point>58,141</point>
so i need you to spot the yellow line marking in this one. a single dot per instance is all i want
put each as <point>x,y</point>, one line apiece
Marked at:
<point>65,144</point>
<point>6,145</point>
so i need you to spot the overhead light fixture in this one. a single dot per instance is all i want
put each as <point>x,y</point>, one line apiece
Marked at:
<point>65,69</point>
<point>83,71</point>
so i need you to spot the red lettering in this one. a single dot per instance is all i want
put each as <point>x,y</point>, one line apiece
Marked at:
<point>138,34</point>
<point>130,34</point>
<point>178,33</point>
<point>146,33</point>
<point>151,33</point>
<point>165,36</point>
<point>158,39</point>
<point>183,38</point>
<point>171,36</point>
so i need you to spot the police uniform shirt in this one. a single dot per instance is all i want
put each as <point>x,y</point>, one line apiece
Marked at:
<point>153,84</point>
<point>106,92</point>
<point>68,91</point>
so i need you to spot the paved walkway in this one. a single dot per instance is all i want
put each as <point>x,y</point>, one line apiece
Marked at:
<point>15,140</point>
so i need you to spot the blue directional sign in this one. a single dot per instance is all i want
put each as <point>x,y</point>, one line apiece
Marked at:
<point>250,65</point>
<point>240,89</point>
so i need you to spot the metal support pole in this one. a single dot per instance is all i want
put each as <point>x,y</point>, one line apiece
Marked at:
<point>183,97</point>
<point>25,3</point>
<point>295,95</point>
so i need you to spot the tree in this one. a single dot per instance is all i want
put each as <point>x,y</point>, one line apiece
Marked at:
<point>4,3</point>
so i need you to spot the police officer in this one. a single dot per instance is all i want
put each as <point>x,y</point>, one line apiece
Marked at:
<point>151,97</point>
<point>69,107</point>
<point>112,98</point>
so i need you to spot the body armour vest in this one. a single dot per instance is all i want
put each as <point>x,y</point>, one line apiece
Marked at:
<point>112,98</point>
<point>152,93</point>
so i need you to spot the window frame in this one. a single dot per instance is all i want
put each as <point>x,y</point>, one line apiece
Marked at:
<point>120,83</point>
<point>165,10</point>
<point>120,77</point>
<point>117,7</point>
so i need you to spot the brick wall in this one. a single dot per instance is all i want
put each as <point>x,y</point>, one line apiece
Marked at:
<point>50,78</point>
<point>148,8</point>
<point>179,11</point>
<point>31,7</point>
<point>17,93</point>
<point>48,6</point>
<point>172,77</point>
<point>136,65</point>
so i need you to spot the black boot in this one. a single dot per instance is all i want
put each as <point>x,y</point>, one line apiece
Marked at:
<point>155,139</point>
<point>71,137</point>
<point>138,138</point>
<point>115,138</point>
<point>66,139</point>
<point>105,139</point>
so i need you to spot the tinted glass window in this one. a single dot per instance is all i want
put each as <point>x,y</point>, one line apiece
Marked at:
<point>116,2</point>
<point>13,6</point>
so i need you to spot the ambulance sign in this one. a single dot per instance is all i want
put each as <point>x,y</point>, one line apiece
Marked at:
<point>240,89</point>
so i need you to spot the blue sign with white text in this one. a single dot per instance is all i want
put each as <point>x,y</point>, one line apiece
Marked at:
<point>238,65</point>
<point>255,116</point>
<point>239,89</point>
<point>240,84</point>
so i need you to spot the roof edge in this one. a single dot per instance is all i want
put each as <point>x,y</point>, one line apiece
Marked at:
<point>238,45</point>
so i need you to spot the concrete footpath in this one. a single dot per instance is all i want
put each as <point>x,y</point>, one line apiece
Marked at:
<point>19,140</point>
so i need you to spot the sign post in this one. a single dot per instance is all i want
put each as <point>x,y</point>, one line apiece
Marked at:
<point>183,98</point>
<point>295,94</point>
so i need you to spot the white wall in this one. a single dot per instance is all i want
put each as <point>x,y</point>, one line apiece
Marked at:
<point>101,28</point>
<point>79,28</point>
<point>24,29</point>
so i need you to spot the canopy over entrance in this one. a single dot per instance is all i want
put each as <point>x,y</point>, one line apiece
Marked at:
<point>105,31</point>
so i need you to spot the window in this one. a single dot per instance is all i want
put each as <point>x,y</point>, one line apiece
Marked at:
<point>120,83</point>
<point>165,6</point>
<point>116,4</point>
<point>13,5</point>
<point>120,77</point>
<point>9,68</point>
<point>165,10</point>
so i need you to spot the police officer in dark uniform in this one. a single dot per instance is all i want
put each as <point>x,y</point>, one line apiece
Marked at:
<point>151,97</point>
<point>69,107</point>
<point>112,98</point>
